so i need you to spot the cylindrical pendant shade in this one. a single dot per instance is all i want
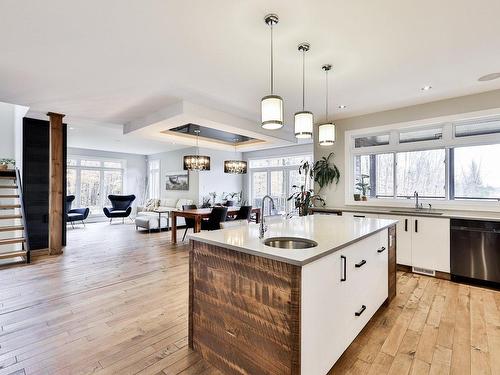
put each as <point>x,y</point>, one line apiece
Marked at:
<point>272,112</point>
<point>235,166</point>
<point>197,163</point>
<point>304,124</point>
<point>327,134</point>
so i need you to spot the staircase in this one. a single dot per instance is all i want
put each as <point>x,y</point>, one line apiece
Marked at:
<point>13,234</point>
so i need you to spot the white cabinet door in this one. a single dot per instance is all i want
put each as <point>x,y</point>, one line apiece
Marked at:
<point>430,243</point>
<point>404,229</point>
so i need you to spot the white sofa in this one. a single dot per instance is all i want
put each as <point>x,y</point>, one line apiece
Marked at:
<point>167,204</point>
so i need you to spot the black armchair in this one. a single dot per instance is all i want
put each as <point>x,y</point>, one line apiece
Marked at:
<point>217,216</point>
<point>121,206</point>
<point>75,214</point>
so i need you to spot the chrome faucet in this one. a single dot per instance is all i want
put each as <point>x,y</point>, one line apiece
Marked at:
<point>417,206</point>
<point>263,227</point>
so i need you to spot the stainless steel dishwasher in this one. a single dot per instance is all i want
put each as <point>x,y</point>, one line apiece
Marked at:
<point>475,251</point>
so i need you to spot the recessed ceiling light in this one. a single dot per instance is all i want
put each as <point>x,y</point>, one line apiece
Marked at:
<point>342,106</point>
<point>489,77</point>
<point>426,88</point>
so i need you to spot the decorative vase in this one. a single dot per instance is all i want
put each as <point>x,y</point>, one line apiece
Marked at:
<point>357,197</point>
<point>303,211</point>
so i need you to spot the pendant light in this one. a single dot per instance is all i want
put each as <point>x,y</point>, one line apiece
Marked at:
<point>304,120</point>
<point>235,166</point>
<point>197,162</point>
<point>326,131</point>
<point>272,105</point>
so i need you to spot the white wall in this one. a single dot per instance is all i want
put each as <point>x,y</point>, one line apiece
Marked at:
<point>135,174</point>
<point>7,131</point>
<point>171,161</point>
<point>215,179</point>
<point>335,194</point>
<point>200,183</point>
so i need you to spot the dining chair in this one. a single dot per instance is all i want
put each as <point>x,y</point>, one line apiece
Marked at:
<point>189,222</point>
<point>217,216</point>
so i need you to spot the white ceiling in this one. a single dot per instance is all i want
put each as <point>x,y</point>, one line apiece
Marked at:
<point>117,61</point>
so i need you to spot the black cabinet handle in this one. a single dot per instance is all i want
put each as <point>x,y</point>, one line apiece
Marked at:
<point>406,225</point>
<point>381,250</point>
<point>359,215</point>
<point>360,264</point>
<point>361,311</point>
<point>344,260</point>
<point>416,225</point>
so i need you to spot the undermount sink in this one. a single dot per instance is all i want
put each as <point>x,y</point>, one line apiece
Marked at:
<point>290,242</point>
<point>416,212</point>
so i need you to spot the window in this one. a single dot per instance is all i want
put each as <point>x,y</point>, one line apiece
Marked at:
<point>92,180</point>
<point>448,161</point>
<point>154,179</point>
<point>422,171</point>
<point>372,140</point>
<point>275,177</point>
<point>380,169</point>
<point>483,127</point>
<point>476,172</point>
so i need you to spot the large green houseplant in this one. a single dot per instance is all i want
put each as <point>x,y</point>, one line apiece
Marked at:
<point>325,172</point>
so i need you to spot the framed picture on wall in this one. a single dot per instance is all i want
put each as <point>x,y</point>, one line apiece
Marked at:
<point>177,181</point>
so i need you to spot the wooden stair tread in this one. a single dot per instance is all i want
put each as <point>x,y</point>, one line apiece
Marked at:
<point>9,196</point>
<point>11,228</point>
<point>13,254</point>
<point>7,177</point>
<point>8,241</point>
<point>9,206</point>
<point>9,217</point>
<point>8,186</point>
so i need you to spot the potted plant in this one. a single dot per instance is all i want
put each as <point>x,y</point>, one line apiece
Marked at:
<point>232,197</point>
<point>363,187</point>
<point>325,172</point>
<point>4,163</point>
<point>357,197</point>
<point>304,199</point>
<point>206,202</point>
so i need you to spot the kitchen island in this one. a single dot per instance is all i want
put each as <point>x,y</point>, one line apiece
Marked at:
<point>258,309</point>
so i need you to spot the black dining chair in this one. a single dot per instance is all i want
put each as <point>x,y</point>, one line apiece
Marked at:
<point>217,216</point>
<point>244,213</point>
<point>189,222</point>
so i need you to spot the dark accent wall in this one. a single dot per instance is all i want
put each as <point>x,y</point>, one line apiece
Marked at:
<point>35,179</point>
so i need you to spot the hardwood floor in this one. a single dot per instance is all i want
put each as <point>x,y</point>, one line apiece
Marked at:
<point>116,303</point>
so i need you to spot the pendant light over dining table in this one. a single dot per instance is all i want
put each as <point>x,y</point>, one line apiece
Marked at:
<point>197,162</point>
<point>235,166</point>
<point>304,120</point>
<point>326,130</point>
<point>272,105</point>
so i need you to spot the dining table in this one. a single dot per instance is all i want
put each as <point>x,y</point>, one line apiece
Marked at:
<point>199,214</point>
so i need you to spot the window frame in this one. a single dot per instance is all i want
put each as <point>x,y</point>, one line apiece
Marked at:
<point>447,142</point>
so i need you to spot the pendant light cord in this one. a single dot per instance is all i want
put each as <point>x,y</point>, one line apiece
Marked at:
<point>303,79</point>
<point>326,84</point>
<point>272,61</point>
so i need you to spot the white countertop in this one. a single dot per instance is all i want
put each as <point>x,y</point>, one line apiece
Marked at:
<point>330,232</point>
<point>446,214</point>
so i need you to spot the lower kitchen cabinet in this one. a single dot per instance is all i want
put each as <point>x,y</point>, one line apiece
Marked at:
<point>423,242</point>
<point>431,244</point>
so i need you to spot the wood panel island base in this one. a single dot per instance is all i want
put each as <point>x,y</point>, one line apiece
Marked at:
<point>255,309</point>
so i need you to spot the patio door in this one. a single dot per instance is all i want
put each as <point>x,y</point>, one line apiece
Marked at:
<point>91,180</point>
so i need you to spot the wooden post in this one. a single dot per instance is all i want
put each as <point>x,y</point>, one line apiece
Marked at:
<point>56,187</point>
